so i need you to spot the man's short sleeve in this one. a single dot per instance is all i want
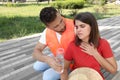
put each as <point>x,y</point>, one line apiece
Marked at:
<point>43,37</point>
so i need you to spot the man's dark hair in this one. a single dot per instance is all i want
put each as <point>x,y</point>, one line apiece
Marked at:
<point>48,14</point>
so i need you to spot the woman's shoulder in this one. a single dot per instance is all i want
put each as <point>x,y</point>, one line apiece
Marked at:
<point>72,42</point>
<point>103,41</point>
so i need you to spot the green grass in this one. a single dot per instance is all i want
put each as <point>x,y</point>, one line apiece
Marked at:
<point>100,12</point>
<point>18,20</point>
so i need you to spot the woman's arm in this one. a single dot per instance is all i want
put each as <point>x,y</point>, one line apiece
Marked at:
<point>107,63</point>
<point>64,75</point>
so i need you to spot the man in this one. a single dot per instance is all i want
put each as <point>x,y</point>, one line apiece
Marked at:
<point>59,33</point>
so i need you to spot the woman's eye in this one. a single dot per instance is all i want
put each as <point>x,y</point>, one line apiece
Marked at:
<point>82,26</point>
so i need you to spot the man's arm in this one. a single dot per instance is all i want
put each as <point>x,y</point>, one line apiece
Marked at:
<point>37,53</point>
<point>51,61</point>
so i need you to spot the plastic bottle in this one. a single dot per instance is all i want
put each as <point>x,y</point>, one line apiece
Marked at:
<point>60,58</point>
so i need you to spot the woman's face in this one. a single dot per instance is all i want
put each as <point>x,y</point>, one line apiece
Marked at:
<point>82,30</point>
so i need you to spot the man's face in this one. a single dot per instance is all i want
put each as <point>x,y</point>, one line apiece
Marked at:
<point>57,25</point>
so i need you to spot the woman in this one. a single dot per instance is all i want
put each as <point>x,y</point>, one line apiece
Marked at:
<point>88,49</point>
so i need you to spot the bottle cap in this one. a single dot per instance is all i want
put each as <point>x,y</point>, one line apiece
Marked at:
<point>60,50</point>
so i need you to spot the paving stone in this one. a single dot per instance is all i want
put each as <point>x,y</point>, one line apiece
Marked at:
<point>33,76</point>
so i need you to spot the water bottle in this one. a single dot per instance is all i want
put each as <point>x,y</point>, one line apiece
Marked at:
<point>60,57</point>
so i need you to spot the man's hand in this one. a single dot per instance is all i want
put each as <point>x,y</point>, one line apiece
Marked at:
<point>52,62</point>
